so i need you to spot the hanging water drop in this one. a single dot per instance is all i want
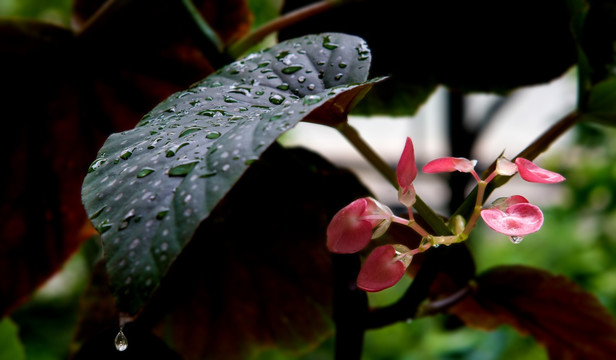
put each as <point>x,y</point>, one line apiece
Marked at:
<point>516,239</point>
<point>121,343</point>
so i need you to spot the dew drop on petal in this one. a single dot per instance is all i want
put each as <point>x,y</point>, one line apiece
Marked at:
<point>516,239</point>
<point>121,343</point>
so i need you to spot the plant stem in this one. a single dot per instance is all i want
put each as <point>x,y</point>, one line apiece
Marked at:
<point>279,23</point>
<point>102,15</point>
<point>203,26</point>
<point>350,307</point>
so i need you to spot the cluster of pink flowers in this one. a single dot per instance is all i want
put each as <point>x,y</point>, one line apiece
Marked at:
<point>352,228</point>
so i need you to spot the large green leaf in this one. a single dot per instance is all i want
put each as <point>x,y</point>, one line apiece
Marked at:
<point>151,187</point>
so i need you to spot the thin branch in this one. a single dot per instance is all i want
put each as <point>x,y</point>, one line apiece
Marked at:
<point>101,15</point>
<point>277,24</point>
<point>203,26</point>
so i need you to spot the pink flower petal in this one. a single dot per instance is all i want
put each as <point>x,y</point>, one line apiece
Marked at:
<point>348,233</point>
<point>503,203</point>
<point>351,228</point>
<point>449,164</point>
<point>533,173</point>
<point>505,167</point>
<point>380,271</point>
<point>517,220</point>
<point>406,171</point>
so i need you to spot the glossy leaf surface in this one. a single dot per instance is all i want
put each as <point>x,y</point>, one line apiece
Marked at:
<point>151,187</point>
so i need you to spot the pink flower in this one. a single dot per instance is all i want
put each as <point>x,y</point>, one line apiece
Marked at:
<point>406,172</point>
<point>533,173</point>
<point>383,268</point>
<point>351,229</point>
<point>514,217</point>
<point>449,164</point>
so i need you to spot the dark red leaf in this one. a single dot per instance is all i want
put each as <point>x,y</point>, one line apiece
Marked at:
<point>570,322</point>
<point>257,274</point>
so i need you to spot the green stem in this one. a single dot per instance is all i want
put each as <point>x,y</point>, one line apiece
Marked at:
<point>436,222</point>
<point>481,187</point>
<point>277,24</point>
<point>203,26</point>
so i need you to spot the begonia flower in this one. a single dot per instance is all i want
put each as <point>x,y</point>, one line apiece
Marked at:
<point>516,220</point>
<point>449,164</point>
<point>533,173</point>
<point>406,172</point>
<point>383,268</point>
<point>351,229</point>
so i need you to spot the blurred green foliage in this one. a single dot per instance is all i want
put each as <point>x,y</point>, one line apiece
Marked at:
<point>53,11</point>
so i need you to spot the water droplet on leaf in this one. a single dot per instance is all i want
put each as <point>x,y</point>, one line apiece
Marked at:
<point>190,130</point>
<point>213,135</point>
<point>161,214</point>
<point>126,153</point>
<point>312,99</point>
<point>173,150</point>
<point>292,69</point>
<point>97,164</point>
<point>145,172</point>
<point>276,99</point>
<point>328,44</point>
<point>182,169</point>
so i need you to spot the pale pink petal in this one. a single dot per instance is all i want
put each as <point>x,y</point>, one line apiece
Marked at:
<point>518,220</point>
<point>449,164</point>
<point>503,203</point>
<point>407,196</point>
<point>533,173</point>
<point>505,167</point>
<point>379,215</point>
<point>347,232</point>
<point>406,171</point>
<point>380,270</point>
